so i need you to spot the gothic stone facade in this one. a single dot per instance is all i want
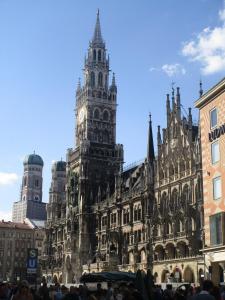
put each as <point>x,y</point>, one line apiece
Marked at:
<point>107,218</point>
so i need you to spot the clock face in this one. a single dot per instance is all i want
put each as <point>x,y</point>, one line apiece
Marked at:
<point>81,115</point>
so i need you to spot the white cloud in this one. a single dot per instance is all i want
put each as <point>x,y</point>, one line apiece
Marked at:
<point>153,69</point>
<point>173,69</point>
<point>208,47</point>
<point>5,215</point>
<point>8,178</point>
<point>170,69</point>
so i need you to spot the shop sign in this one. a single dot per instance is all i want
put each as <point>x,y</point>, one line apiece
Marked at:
<point>216,133</point>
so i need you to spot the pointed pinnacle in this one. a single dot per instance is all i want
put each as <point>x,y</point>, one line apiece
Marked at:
<point>97,38</point>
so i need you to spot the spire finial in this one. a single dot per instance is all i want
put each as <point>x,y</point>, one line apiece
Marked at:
<point>78,85</point>
<point>173,98</point>
<point>172,85</point>
<point>150,150</point>
<point>97,38</point>
<point>200,90</point>
<point>113,79</point>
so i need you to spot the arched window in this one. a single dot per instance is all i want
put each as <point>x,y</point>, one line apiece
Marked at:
<point>186,196</point>
<point>99,55</point>
<point>171,170</point>
<point>105,115</point>
<point>100,78</point>
<point>182,167</point>
<point>192,224</point>
<point>106,79</point>
<point>105,137</point>
<point>174,200</point>
<point>96,114</point>
<point>139,212</point>
<point>94,55</point>
<point>181,226</point>
<point>163,203</point>
<point>168,228</point>
<point>92,79</point>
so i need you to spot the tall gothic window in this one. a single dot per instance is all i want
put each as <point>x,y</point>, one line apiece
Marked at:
<point>96,114</point>
<point>106,79</point>
<point>92,79</point>
<point>99,55</point>
<point>105,137</point>
<point>94,55</point>
<point>174,200</point>
<point>105,115</point>
<point>100,78</point>
<point>186,195</point>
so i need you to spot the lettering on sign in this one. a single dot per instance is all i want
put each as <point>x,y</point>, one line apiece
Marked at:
<point>216,133</point>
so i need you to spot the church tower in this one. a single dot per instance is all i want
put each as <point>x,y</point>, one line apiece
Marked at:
<point>30,204</point>
<point>96,159</point>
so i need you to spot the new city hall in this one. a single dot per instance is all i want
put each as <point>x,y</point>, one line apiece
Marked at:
<point>101,217</point>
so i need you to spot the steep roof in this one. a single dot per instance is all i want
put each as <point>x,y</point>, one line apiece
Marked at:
<point>14,225</point>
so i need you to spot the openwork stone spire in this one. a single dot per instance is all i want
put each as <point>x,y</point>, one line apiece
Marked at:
<point>97,38</point>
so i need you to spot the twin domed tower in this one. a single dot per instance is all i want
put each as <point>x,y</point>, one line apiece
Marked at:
<point>30,204</point>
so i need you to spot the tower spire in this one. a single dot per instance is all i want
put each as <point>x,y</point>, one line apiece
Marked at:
<point>200,90</point>
<point>150,150</point>
<point>178,103</point>
<point>173,98</point>
<point>78,85</point>
<point>97,37</point>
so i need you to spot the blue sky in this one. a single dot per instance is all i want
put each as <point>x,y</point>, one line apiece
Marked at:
<point>42,48</point>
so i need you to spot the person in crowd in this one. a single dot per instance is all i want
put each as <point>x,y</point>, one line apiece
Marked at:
<point>216,293</point>
<point>157,292</point>
<point>109,294</point>
<point>168,293</point>
<point>207,288</point>
<point>83,292</point>
<point>34,293</point>
<point>58,292</point>
<point>23,292</point>
<point>3,291</point>
<point>64,291</point>
<point>100,292</point>
<point>44,292</point>
<point>71,295</point>
<point>190,292</point>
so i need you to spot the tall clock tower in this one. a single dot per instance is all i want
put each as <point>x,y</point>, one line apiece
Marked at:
<point>96,101</point>
<point>96,159</point>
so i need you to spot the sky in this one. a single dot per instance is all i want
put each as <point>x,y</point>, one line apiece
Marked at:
<point>151,44</point>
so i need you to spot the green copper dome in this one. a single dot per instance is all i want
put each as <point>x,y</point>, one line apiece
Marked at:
<point>59,166</point>
<point>33,159</point>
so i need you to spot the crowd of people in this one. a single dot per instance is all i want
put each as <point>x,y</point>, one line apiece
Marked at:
<point>121,291</point>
